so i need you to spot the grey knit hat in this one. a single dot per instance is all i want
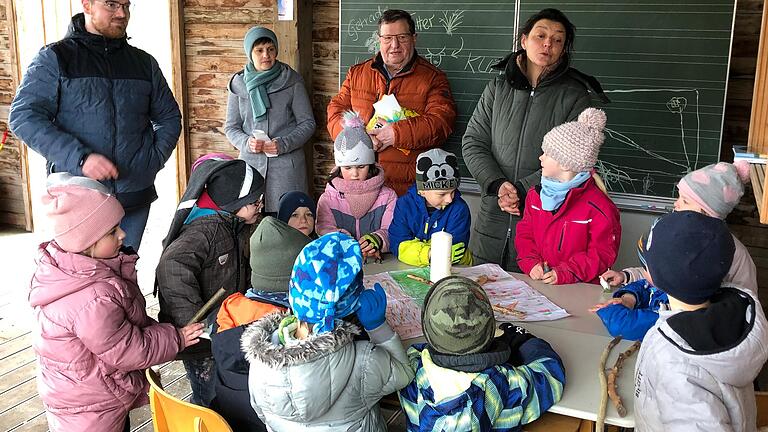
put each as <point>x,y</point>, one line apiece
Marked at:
<point>353,146</point>
<point>274,247</point>
<point>716,188</point>
<point>575,145</point>
<point>437,169</point>
<point>457,317</point>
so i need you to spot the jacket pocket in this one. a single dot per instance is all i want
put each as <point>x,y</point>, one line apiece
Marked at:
<point>574,236</point>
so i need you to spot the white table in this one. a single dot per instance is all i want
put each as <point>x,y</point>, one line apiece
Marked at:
<point>578,339</point>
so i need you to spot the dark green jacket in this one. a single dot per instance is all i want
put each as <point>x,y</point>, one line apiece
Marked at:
<point>503,142</point>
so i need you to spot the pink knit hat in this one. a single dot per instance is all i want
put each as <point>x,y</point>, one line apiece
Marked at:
<point>716,188</point>
<point>575,145</point>
<point>82,211</point>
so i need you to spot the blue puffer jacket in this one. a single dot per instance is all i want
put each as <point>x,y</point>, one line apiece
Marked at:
<point>412,220</point>
<point>633,324</point>
<point>90,94</point>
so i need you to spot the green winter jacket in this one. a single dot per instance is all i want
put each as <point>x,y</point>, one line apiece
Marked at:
<point>503,142</point>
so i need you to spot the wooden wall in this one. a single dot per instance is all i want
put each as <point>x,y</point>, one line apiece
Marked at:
<point>14,193</point>
<point>213,44</point>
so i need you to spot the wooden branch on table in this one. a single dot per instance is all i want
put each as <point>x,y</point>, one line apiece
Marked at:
<point>600,423</point>
<point>613,376</point>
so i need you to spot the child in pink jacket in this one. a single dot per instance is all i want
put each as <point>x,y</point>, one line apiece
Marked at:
<point>355,201</point>
<point>570,231</point>
<point>93,336</point>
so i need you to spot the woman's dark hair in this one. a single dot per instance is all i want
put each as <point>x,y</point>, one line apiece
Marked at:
<point>552,15</point>
<point>392,15</point>
<point>373,171</point>
<point>262,41</point>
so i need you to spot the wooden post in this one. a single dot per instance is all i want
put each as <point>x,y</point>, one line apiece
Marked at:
<point>179,69</point>
<point>295,38</point>
<point>758,126</point>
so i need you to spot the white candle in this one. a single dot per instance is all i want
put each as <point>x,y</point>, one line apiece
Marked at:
<point>440,256</point>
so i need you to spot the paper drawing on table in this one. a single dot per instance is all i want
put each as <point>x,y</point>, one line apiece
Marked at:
<point>403,314</point>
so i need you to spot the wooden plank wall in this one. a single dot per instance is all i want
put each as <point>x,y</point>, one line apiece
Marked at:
<point>14,193</point>
<point>213,34</point>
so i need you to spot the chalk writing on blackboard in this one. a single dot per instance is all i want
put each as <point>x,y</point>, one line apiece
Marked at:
<point>633,179</point>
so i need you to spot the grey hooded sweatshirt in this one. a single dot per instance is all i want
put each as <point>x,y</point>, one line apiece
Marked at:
<point>695,369</point>
<point>327,382</point>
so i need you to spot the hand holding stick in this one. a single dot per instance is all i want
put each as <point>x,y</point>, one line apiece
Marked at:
<point>216,298</point>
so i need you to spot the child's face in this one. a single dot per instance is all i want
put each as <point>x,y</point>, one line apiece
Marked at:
<point>109,245</point>
<point>250,213</point>
<point>303,220</point>
<point>683,202</point>
<point>357,172</point>
<point>550,167</point>
<point>438,199</point>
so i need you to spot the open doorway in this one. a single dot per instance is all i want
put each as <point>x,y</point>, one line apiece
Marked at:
<point>41,22</point>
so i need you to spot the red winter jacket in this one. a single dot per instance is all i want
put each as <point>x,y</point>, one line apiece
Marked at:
<point>579,241</point>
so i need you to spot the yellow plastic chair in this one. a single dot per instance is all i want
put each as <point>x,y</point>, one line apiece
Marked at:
<point>170,414</point>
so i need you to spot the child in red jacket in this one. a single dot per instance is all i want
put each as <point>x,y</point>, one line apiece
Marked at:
<point>570,230</point>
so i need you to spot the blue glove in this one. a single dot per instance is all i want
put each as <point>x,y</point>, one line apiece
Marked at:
<point>371,307</point>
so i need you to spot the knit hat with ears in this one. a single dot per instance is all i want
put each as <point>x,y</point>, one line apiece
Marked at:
<point>353,146</point>
<point>437,169</point>
<point>716,188</point>
<point>575,145</point>
<point>82,210</point>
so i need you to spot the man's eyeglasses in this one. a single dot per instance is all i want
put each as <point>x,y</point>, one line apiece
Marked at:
<point>402,38</point>
<point>114,6</point>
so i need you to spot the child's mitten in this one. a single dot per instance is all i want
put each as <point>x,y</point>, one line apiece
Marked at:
<point>372,305</point>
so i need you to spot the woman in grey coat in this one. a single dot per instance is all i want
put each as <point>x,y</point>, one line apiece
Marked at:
<point>536,91</point>
<point>269,117</point>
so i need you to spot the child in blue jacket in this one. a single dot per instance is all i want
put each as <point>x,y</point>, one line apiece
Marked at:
<point>433,204</point>
<point>469,379</point>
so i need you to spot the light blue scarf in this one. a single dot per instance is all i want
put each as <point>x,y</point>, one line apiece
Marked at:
<point>256,82</point>
<point>553,191</point>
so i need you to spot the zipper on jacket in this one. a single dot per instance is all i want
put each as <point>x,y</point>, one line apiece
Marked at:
<point>114,111</point>
<point>562,235</point>
<point>522,130</point>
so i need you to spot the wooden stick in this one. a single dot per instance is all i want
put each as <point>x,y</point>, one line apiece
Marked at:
<point>216,298</point>
<point>508,310</point>
<point>613,376</point>
<point>600,423</point>
<point>419,279</point>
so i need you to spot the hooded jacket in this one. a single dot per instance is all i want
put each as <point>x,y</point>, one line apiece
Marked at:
<point>413,225</point>
<point>694,371</point>
<point>500,398</point>
<point>93,339</point>
<point>357,207</point>
<point>289,120</point>
<point>503,143</point>
<point>419,87</point>
<point>90,94</point>
<point>327,382</point>
<point>579,240</point>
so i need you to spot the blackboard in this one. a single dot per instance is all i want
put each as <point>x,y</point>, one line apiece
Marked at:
<point>664,65</point>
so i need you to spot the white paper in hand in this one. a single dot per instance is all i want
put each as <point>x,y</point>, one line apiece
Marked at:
<point>261,135</point>
<point>387,107</point>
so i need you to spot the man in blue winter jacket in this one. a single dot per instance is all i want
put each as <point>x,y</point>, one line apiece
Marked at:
<point>95,106</point>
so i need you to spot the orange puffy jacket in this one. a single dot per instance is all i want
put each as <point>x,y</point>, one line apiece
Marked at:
<point>420,87</point>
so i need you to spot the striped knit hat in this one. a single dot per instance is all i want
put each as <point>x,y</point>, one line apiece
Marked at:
<point>575,145</point>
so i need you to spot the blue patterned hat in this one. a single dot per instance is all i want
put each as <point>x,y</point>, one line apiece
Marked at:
<point>326,281</point>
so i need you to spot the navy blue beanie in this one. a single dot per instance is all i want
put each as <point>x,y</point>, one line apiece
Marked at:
<point>290,201</point>
<point>688,254</point>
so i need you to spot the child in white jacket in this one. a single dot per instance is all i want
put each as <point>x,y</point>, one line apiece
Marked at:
<point>307,372</point>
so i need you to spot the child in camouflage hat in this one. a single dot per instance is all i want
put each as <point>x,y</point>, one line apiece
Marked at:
<point>306,368</point>
<point>433,204</point>
<point>467,377</point>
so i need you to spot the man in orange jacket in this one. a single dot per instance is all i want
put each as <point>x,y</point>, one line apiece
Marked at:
<point>418,86</point>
